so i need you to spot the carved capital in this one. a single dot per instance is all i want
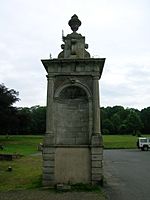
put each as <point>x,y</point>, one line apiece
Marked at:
<point>49,77</point>
<point>95,77</point>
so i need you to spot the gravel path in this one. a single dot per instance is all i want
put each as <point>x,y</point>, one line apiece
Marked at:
<point>49,195</point>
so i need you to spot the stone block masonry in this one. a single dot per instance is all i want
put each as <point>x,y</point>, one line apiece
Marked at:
<point>73,146</point>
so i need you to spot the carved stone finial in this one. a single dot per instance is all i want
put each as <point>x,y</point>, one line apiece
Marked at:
<point>74,23</point>
<point>74,44</point>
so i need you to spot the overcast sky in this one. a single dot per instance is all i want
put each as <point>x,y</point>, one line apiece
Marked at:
<point>118,30</point>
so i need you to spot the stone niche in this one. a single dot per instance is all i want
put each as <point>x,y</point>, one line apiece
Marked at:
<point>73,147</point>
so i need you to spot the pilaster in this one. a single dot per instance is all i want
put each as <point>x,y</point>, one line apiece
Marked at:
<point>49,137</point>
<point>48,150</point>
<point>96,111</point>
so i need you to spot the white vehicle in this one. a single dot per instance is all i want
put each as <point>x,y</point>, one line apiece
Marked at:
<point>143,143</point>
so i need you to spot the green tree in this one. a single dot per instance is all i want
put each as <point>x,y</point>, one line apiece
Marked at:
<point>24,120</point>
<point>123,128</point>
<point>38,115</point>
<point>115,119</point>
<point>134,123</point>
<point>107,126</point>
<point>7,112</point>
<point>145,117</point>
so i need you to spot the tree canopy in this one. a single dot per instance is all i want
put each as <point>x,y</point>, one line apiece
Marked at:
<point>24,120</point>
<point>7,97</point>
<point>7,112</point>
<point>117,120</point>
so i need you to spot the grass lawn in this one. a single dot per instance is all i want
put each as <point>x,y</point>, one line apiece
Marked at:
<point>24,145</point>
<point>27,145</point>
<point>26,173</point>
<point>120,141</point>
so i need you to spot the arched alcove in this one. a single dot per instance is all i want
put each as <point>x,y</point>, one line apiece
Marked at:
<point>72,116</point>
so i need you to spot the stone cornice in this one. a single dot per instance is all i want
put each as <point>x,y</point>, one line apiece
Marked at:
<point>91,66</point>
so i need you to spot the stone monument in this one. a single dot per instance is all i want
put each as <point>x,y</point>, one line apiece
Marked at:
<point>73,147</point>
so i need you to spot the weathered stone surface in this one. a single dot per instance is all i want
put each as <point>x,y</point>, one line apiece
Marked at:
<point>69,128</point>
<point>48,183</point>
<point>49,170</point>
<point>75,67</point>
<point>72,149</point>
<point>48,150</point>
<point>97,157</point>
<point>97,170</point>
<point>48,176</point>
<point>74,44</point>
<point>48,156</point>
<point>63,187</point>
<point>96,177</point>
<point>72,165</point>
<point>49,139</point>
<point>96,140</point>
<point>48,163</point>
<point>96,150</point>
<point>96,163</point>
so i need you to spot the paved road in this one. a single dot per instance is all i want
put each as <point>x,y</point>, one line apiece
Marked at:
<point>49,195</point>
<point>127,174</point>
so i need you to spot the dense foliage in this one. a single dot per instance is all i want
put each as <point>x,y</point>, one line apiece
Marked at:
<point>15,120</point>
<point>7,111</point>
<point>117,120</point>
<point>114,120</point>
